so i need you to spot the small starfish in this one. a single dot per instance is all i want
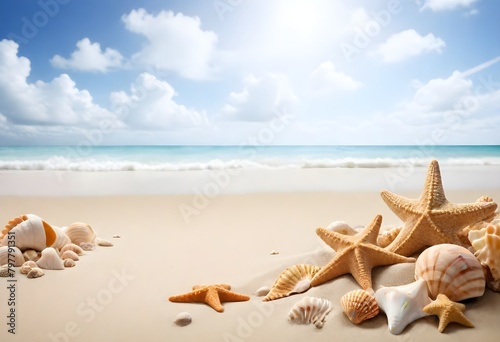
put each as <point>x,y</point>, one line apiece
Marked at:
<point>431,219</point>
<point>448,312</point>
<point>356,254</point>
<point>212,295</point>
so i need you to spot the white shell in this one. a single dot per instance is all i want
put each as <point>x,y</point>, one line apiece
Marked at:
<point>310,310</point>
<point>451,270</point>
<point>30,231</point>
<point>11,254</point>
<point>50,260</point>
<point>262,291</point>
<point>80,232</point>
<point>402,304</point>
<point>341,227</point>
<point>103,243</point>
<point>183,319</point>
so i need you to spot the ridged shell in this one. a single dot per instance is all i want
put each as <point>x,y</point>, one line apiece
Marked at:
<point>36,272</point>
<point>310,310</point>
<point>79,232</point>
<point>12,255</point>
<point>72,247</point>
<point>69,263</point>
<point>27,266</point>
<point>183,319</point>
<point>50,260</point>
<point>69,255</point>
<point>385,238</point>
<point>359,306</point>
<point>30,231</point>
<point>451,270</point>
<point>486,242</point>
<point>295,279</point>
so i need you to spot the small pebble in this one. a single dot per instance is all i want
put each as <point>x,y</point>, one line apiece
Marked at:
<point>116,236</point>
<point>273,252</point>
<point>183,319</point>
<point>262,291</point>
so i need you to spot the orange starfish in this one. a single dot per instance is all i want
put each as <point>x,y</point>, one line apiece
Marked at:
<point>356,254</point>
<point>212,295</point>
<point>448,312</point>
<point>431,219</point>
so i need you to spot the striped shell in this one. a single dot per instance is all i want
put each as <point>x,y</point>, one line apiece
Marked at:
<point>310,310</point>
<point>50,260</point>
<point>295,279</point>
<point>451,270</point>
<point>359,306</point>
<point>30,232</point>
<point>80,232</point>
<point>12,255</point>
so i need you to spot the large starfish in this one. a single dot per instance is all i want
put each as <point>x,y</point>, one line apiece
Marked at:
<point>356,254</point>
<point>448,312</point>
<point>431,219</point>
<point>212,295</point>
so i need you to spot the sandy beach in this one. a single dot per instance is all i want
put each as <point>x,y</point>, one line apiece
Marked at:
<point>120,293</point>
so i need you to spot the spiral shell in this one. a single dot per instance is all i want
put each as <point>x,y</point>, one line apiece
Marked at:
<point>29,232</point>
<point>359,306</point>
<point>310,310</point>
<point>451,270</point>
<point>80,232</point>
<point>11,255</point>
<point>50,260</point>
<point>295,279</point>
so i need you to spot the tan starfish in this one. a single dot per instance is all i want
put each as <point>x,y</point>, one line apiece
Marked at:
<point>448,312</point>
<point>212,295</point>
<point>431,219</point>
<point>356,254</point>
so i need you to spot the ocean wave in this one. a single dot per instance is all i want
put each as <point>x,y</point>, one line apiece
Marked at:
<point>66,164</point>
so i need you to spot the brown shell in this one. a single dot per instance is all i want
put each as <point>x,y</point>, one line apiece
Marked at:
<point>295,279</point>
<point>359,305</point>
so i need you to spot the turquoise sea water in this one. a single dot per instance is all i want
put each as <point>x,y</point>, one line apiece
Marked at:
<point>173,158</point>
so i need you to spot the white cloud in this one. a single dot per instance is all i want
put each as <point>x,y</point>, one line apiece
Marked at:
<point>150,105</point>
<point>88,56</point>
<point>58,102</point>
<point>409,43</point>
<point>175,43</point>
<point>446,5</point>
<point>325,78</point>
<point>261,99</point>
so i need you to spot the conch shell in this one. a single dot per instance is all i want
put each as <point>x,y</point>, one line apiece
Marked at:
<point>359,305</point>
<point>30,232</point>
<point>79,232</point>
<point>310,310</point>
<point>451,270</point>
<point>12,255</point>
<point>295,279</point>
<point>50,260</point>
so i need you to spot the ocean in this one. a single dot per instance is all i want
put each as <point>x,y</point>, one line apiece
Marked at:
<point>179,158</point>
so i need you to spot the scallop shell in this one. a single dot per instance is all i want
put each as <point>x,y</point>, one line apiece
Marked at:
<point>359,306</point>
<point>310,310</point>
<point>385,238</point>
<point>30,231</point>
<point>79,232</point>
<point>27,266</point>
<point>486,242</point>
<point>295,279</point>
<point>36,272</point>
<point>69,255</point>
<point>31,255</point>
<point>451,270</point>
<point>12,255</point>
<point>72,247</point>
<point>50,260</point>
<point>69,263</point>
<point>183,319</point>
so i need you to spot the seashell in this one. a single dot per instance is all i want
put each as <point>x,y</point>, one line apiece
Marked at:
<point>341,227</point>
<point>183,319</point>
<point>27,266</point>
<point>30,231</point>
<point>403,304</point>
<point>463,234</point>
<point>486,243</point>
<point>36,272</point>
<point>310,310</point>
<point>61,238</point>
<point>451,270</point>
<point>491,283</point>
<point>103,243</point>
<point>50,260</point>
<point>69,255</point>
<point>72,247</point>
<point>359,306</point>
<point>69,263</point>
<point>87,246</point>
<point>5,271</point>
<point>31,254</point>
<point>262,291</point>
<point>11,255</point>
<point>385,238</point>
<point>79,232</point>
<point>295,279</point>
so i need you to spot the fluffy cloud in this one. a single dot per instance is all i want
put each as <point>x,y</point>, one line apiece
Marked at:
<point>409,43</point>
<point>58,102</point>
<point>88,56</point>
<point>326,78</point>
<point>175,42</point>
<point>150,105</point>
<point>260,100</point>
<point>443,5</point>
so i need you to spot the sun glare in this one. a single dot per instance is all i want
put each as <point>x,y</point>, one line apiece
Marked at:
<point>300,16</point>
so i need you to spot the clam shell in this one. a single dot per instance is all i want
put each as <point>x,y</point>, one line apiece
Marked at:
<point>80,232</point>
<point>12,255</point>
<point>486,242</point>
<point>69,262</point>
<point>359,306</point>
<point>295,279</point>
<point>183,319</point>
<point>30,231</point>
<point>69,255</point>
<point>35,272</point>
<point>50,260</point>
<point>27,266</point>
<point>72,247</point>
<point>451,270</point>
<point>310,310</point>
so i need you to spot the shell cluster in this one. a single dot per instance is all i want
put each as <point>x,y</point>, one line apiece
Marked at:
<point>310,310</point>
<point>359,305</point>
<point>295,279</point>
<point>486,243</point>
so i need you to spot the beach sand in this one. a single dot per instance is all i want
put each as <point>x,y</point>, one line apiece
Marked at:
<point>120,293</point>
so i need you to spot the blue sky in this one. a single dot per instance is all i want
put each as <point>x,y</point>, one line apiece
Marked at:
<point>218,72</point>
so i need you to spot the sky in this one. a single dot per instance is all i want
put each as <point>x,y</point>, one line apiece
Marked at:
<point>232,72</point>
